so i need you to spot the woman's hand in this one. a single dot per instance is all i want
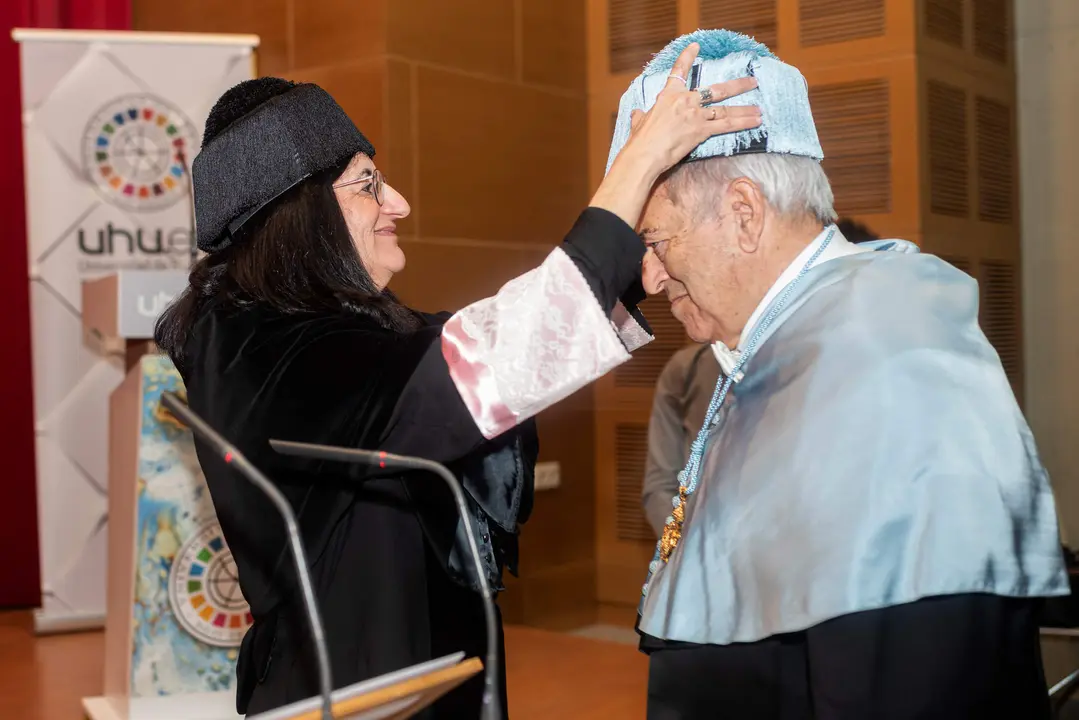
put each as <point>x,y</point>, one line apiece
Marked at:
<point>678,122</point>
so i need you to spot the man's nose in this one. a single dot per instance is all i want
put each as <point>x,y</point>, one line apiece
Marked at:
<point>653,274</point>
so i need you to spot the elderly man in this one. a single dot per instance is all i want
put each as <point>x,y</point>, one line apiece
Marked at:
<point>683,391</point>
<point>863,526</point>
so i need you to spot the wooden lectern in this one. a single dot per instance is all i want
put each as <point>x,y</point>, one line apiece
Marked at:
<point>174,612</point>
<point>393,696</point>
<point>175,615</point>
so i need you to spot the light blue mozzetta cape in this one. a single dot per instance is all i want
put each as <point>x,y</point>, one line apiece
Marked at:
<point>873,454</point>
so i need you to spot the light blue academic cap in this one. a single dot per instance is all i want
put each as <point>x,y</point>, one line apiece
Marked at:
<point>781,93</point>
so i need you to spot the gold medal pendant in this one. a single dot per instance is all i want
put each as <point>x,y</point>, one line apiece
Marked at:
<point>672,531</point>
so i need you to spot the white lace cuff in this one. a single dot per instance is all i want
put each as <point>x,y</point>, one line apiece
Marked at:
<point>542,337</point>
<point>630,332</point>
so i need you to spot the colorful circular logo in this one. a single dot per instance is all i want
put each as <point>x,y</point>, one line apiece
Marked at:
<point>137,151</point>
<point>204,590</point>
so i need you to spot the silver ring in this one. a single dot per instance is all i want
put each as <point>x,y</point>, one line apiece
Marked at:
<point>706,95</point>
<point>676,75</point>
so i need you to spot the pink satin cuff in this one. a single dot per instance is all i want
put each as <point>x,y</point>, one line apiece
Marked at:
<point>541,338</point>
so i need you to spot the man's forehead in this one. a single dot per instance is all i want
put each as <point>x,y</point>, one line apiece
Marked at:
<point>659,198</point>
<point>660,214</point>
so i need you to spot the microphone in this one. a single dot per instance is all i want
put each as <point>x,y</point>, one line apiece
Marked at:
<point>235,459</point>
<point>491,706</point>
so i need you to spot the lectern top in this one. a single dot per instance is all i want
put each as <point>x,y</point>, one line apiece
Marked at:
<point>396,695</point>
<point>126,304</point>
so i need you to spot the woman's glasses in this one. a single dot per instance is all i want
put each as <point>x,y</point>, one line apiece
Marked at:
<point>375,185</point>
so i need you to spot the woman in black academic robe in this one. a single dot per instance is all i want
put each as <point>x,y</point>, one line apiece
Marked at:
<point>287,331</point>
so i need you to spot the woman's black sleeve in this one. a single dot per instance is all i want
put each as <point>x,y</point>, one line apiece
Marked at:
<point>431,419</point>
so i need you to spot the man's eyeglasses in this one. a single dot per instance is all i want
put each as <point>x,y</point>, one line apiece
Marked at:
<point>376,185</point>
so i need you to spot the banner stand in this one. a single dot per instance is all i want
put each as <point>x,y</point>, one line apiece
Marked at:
<point>111,123</point>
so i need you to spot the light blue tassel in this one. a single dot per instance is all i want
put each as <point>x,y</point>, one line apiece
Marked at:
<point>714,45</point>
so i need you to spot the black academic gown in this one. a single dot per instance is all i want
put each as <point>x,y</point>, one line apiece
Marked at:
<point>379,551</point>
<point>378,548</point>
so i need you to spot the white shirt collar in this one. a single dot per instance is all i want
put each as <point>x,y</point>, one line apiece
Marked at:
<point>838,247</point>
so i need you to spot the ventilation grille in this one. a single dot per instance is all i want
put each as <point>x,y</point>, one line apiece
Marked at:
<point>644,368</point>
<point>631,447</point>
<point>995,167</point>
<point>638,29</point>
<point>751,17</point>
<point>1000,314</point>
<point>834,21</point>
<point>948,172</point>
<point>992,29</point>
<point>853,125</point>
<point>960,263</point>
<point>944,21</point>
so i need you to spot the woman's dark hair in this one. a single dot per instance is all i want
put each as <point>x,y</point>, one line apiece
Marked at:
<point>295,256</point>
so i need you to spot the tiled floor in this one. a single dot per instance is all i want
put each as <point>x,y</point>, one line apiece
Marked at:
<point>589,675</point>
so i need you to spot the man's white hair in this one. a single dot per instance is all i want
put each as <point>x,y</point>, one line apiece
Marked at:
<point>793,185</point>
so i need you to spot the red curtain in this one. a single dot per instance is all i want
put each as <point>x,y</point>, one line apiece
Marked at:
<point>21,584</point>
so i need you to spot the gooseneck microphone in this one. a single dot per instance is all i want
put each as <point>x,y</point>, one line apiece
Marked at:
<point>491,708</point>
<point>235,459</point>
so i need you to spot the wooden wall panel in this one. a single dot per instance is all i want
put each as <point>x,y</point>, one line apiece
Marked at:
<point>498,161</point>
<point>552,47</point>
<point>324,34</point>
<point>993,30</point>
<point>855,35</point>
<point>948,144</point>
<point>269,19</point>
<point>969,233</point>
<point>995,166</point>
<point>999,281</point>
<point>944,21</point>
<point>623,539</point>
<point>636,29</point>
<point>474,36</point>
<point>758,18</point>
<point>859,140</point>
<point>853,123</point>
<point>630,454</point>
<point>985,237</point>
<point>976,35</point>
<point>827,22</point>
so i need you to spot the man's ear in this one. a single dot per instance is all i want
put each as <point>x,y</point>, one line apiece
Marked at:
<point>747,205</point>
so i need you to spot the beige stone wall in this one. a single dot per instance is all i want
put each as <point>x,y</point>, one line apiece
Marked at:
<point>1047,38</point>
<point>1047,55</point>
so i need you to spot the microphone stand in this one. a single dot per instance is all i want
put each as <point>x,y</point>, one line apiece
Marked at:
<point>491,708</point>
<point>235,458</point>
